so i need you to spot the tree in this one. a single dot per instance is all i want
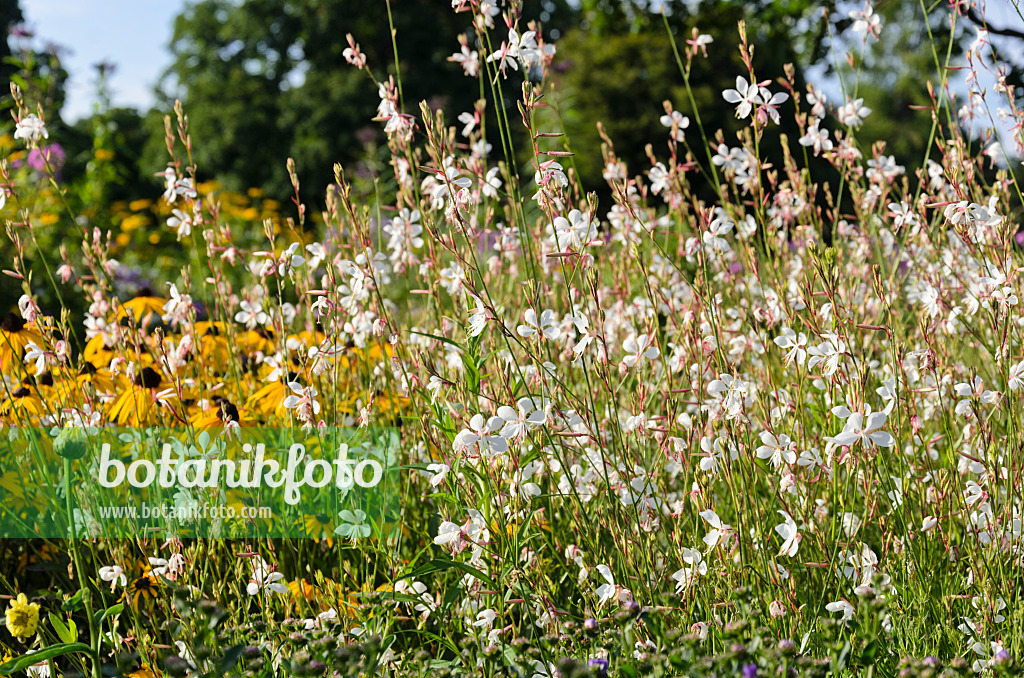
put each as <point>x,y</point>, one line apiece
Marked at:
<point>264,80</point>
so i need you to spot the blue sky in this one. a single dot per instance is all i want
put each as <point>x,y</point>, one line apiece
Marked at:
<point>130,33</point>
<point>134,34</point>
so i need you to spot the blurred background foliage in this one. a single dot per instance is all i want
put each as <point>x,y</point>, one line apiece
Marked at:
<point>265,80</point>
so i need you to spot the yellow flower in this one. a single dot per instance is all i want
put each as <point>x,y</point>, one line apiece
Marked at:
<point>144,588</point>
<point>22,617</point>
<point>144,672</point>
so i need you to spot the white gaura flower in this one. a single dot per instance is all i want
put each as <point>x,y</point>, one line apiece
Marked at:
<point>251,315</point>
<point>115,575</point>
<point>718,528</point>
<point>857,429</point>
<point>31,129</point>
<point>778,450</point>
<point>827,354</point>
<point>447,533</point>
<point>528,414</point>
<point>1016,379</point>
<point>694,567</point>
<point>264,578</point>
<point>729,393</point>
<point>481,436</point>
<point>745,96</point>
<point>790,535</point>
<point>676,122</point>
<point>971,391</point>
<point>585,337</point>
<point>573,230</point>
<point>477,317</point>
<point>639,346</point>
<point>841,606</point>
<point>302,400</point>
<point>853,113</point>
<point>866,21</point>
<point>546,326</point>
<point>438,473</point>
<point>816,138</point>
<point>714,237</point>
<point>609,590</point>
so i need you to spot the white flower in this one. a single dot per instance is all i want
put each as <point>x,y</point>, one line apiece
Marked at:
<point>817,138</point>
<point>491,184</point>
<point>695,566</point>
<point>790,535</point>
<point>778,450</point>
<point>794,344</point>
<point>745,96</point>
<point>547,325</point>
<point>853,113</point>
<point>480,436</point>
<point>477,317</point>
<point>865,21</point>
<point>251,314</point>
<point>439,471</point>
<point>34,354</point>
<point>841,606</point>
<point>1016,380</point>
<point>575,230</point>
<point>639,346</point>
<point>517,423</point>
<point>609,590</point>
<point>264,578</point>
<point>677,122</point>
<point>585,337</point>
<point>718,528</point>
<point>856,429</point>
<point>827,354</point>
<point>31,129</point>
<point>114,574</point>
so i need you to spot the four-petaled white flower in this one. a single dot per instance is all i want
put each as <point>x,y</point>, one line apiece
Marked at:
<point>639,346</point>
<point>778,450</point>
<point>869,431</point>
<point>264,578</point>
<point>677,122</point>
<point>790,535</point>
<point>841,606</point>
<point>115,575</point>
<point>718,528</point>
<point>745,96</point>
<point>31,129</point>
<point>546,326</point>
<point>694,567</point>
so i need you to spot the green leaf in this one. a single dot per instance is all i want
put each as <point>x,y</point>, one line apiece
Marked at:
<point>230,659</point>
<point>63,631</point>
<point>100,615</point>
<point>73,603</point>
<point>26,660</point>
<point>441,564</point>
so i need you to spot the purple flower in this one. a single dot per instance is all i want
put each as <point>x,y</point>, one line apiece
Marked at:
<point>749,670</point>
<point>600,667</point>
<point>52,154</point>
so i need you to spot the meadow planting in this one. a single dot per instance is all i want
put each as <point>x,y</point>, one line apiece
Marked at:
<point>733,417</point>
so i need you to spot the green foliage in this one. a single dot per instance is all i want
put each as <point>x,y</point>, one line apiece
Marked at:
<point>264,80</point>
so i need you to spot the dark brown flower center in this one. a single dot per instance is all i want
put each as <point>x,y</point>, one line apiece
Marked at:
<point>12,323</point>
<point>148,378</point>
